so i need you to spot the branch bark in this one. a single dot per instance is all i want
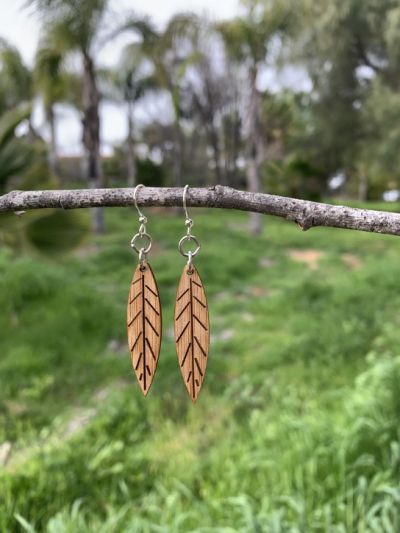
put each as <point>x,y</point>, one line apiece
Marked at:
<point>305,213</point>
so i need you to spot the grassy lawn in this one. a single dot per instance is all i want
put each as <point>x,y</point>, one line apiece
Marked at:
<point>297,428</point>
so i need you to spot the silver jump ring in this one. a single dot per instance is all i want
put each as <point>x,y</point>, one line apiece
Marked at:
<point>182,242</point>
<point>144,235</point>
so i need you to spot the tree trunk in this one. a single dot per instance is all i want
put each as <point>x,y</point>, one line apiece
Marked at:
<point>91,136</point>
<point>363,186</point>
<point>231,131</point>
<point>254,149</point>
<point>179,154</point>
<point>214,142</point>
<point>52,150</point>
<point>130,149</point>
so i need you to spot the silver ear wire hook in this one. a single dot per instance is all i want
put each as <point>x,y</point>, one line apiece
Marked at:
<point>142,218</point>
<point>188,221</point>
<point>184,200</point>
<point>188,236</point>
<point>142,234</point>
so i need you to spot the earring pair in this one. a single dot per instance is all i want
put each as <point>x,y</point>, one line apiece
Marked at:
<point>144,316</point>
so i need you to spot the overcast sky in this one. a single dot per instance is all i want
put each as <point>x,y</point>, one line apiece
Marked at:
<point>21,27</point>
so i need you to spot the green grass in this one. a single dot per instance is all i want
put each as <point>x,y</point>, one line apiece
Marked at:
<point>297,428</point>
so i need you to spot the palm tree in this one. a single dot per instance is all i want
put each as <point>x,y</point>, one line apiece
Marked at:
<point>247,42</point>
<point>80,27</point>
<point>51,83</point>
<point>170,59</point>
<point>207,87</point>
<point>19,85</point>
<point>70,27</point>
<point>127,85</point>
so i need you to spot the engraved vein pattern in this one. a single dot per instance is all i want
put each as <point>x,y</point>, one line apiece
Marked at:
<point>144,326</point>
<point>192,331</point>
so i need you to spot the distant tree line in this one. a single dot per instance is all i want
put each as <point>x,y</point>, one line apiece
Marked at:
<point>331,126</point>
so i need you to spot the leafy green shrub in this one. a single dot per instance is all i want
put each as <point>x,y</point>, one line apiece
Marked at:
<point>58,232</point>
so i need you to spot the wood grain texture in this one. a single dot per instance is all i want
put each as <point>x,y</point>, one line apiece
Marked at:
<point>192,330</point>
<point>305,213</point>
<point>144,325</point>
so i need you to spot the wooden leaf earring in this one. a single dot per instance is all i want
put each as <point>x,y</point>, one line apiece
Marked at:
<point>144,309</point>
<point>192,333</point>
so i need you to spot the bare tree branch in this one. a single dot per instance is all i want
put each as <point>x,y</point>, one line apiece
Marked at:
<point>306,214</point>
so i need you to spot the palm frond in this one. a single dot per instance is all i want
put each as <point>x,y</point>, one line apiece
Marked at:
<point>15,79</point>
<point>10,121</point>
<point>140,26</point>
<point>15,156</point>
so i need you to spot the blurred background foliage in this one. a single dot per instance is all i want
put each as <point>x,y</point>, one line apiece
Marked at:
<point>326,125</point>
<point>297,428</point>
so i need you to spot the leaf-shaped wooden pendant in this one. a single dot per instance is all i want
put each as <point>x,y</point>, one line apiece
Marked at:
<point>144,325</point>
<point>192,332</point>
